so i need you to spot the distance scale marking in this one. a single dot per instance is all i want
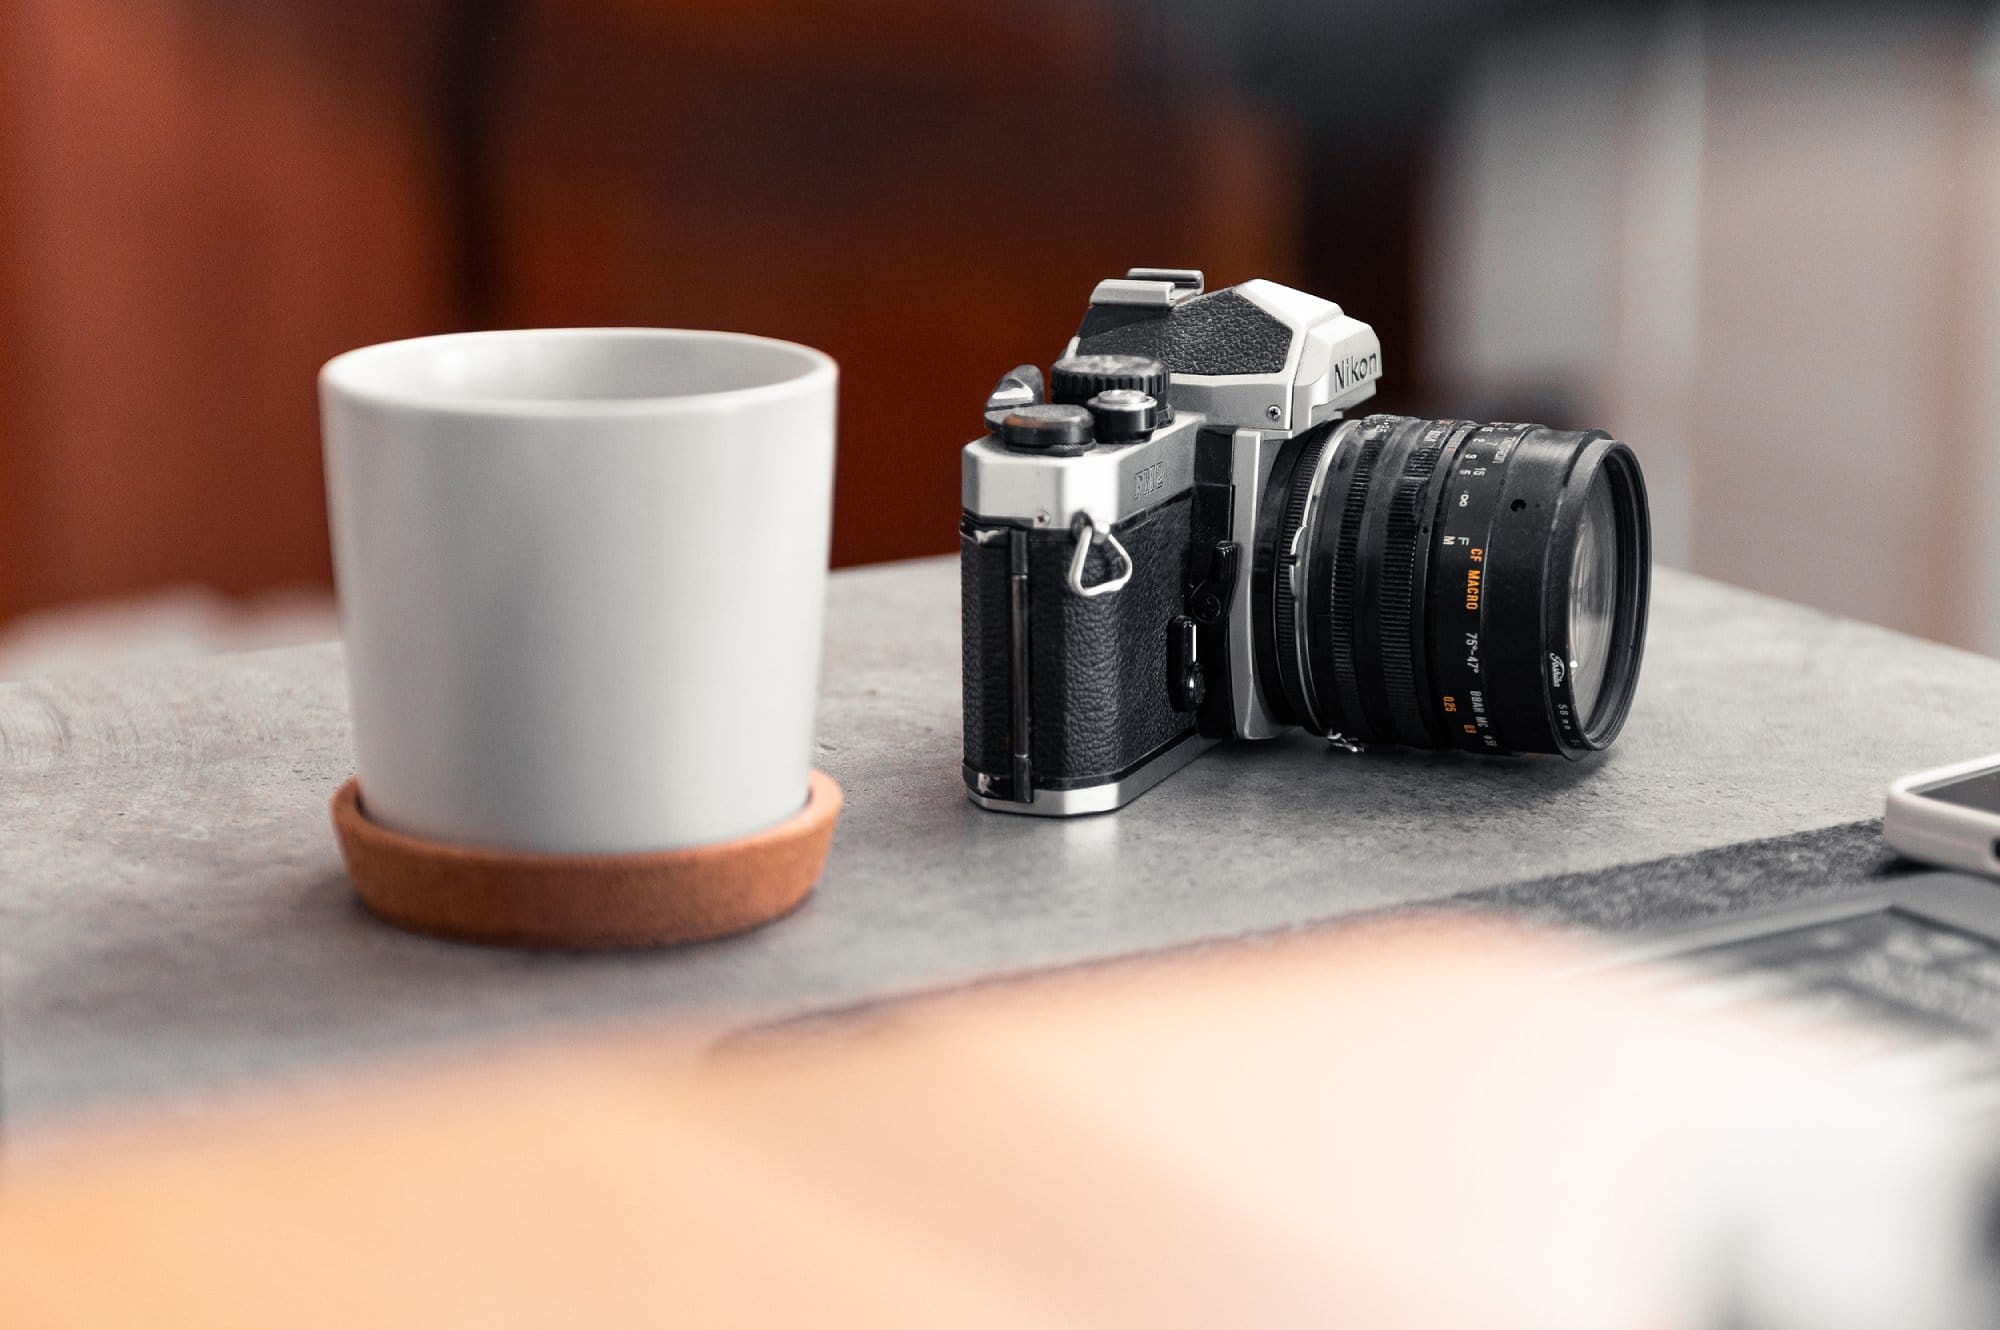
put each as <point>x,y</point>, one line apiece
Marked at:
<point>1465,535</point>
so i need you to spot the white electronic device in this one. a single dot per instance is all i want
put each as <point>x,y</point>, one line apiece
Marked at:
<point>1948,816</point>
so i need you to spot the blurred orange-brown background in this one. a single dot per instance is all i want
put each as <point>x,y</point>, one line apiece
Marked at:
<point>205,199</point>
<point>1754,240</point>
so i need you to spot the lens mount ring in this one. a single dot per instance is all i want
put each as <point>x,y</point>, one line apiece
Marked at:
<point>1292,584</point>
<point>1288,503</point>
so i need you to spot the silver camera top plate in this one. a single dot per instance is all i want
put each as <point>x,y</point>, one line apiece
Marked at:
<point>1107,485</point>
<point>1331,365</point>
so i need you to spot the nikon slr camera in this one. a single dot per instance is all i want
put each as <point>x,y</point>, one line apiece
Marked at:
<point>1181,537</point>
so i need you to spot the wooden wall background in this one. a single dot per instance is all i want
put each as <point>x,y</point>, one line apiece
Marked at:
<point>202,200</point>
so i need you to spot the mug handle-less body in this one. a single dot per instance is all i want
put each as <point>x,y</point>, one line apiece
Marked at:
<point>582,576</point>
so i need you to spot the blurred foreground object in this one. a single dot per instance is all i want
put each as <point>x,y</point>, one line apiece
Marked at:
<point>1391,1128</point>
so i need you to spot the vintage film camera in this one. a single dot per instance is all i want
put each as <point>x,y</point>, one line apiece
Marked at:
<point>1183,539</point>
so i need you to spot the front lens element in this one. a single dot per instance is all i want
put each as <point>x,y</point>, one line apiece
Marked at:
<point>1444,584</point>
<point>1593,597</point>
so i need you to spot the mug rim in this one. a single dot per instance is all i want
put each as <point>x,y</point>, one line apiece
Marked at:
<point>357,375</point>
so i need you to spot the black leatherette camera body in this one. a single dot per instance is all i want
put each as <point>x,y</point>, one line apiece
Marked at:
<point>1100,699</point>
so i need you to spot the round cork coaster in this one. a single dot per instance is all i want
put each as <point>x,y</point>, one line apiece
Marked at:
<point>586,901</point>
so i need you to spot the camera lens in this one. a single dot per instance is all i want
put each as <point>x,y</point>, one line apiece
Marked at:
<point>1446,584</point>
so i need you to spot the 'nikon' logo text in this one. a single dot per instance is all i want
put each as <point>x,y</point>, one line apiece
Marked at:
<point>1354,370</point>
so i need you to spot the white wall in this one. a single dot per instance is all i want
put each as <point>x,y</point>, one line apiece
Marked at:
<point>1765,253</point>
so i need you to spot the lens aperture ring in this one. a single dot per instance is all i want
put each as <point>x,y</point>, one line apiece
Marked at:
<point>1472,495</point>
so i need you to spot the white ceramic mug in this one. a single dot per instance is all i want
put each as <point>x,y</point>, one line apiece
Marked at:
<point>582,580</point>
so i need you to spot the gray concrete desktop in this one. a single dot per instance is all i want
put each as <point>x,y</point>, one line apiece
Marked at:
<point>174,920</point>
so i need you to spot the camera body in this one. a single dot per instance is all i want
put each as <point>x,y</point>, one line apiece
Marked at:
<point>1108,547</point>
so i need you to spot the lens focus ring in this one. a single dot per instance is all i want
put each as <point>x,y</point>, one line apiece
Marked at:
<point>1403,597</point>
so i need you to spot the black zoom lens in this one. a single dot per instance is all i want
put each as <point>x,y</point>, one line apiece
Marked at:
<point>1445,584</point>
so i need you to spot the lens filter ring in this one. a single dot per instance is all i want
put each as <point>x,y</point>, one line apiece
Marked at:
<point>1589,725</point>
<point>1526,652</point>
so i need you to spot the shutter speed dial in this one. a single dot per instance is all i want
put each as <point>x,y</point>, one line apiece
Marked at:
<point>1077,379</point>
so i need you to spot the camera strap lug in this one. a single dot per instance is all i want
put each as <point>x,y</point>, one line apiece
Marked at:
<point>1085,532</point>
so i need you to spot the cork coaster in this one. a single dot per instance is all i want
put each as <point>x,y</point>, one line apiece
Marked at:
<point>586,901</point>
